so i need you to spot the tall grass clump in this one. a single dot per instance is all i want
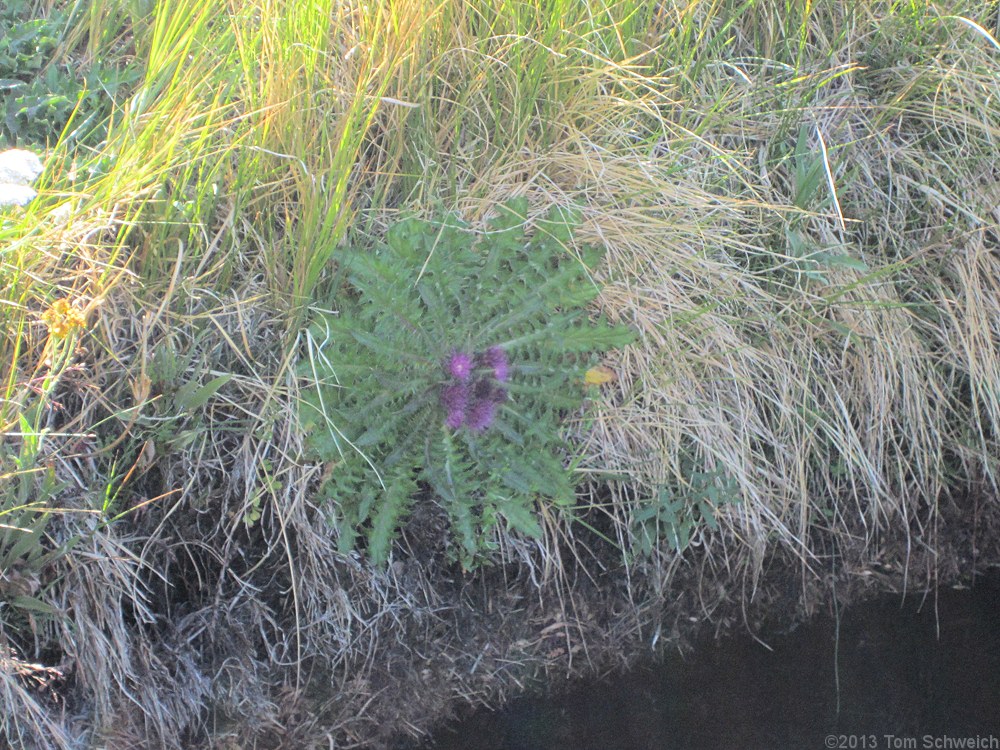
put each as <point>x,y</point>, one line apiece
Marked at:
<point>804,358</point>
<point>796,204</point>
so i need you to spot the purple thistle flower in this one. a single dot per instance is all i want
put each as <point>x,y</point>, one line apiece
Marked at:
<point>460,365</point>
<point>455,400</point>
<point>481,415</point>
<point>496,358</point>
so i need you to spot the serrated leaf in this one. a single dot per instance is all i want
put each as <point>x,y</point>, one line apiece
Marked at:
<point>600,336</point>
<point>521,518</point>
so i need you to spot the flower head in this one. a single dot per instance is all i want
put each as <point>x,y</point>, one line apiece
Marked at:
<point>496,359</point>
<point>460,365</point>
<point>481,415</point>
<point>455,400</point>
<point>473,403</point>
<point>62,319</point>
<point>454,419</point>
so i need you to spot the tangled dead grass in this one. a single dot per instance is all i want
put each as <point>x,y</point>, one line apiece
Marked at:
<point>850,398</point>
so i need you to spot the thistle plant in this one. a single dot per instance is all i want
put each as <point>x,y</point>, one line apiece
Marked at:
<point>445,376</point>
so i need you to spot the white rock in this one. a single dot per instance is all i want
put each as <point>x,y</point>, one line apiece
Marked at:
<point>19,167</point>
<point>16,195</point>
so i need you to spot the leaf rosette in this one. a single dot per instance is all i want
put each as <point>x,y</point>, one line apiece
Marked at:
<point>447,373</point>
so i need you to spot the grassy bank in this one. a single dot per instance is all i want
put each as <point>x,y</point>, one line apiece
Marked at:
<point>798,205</point>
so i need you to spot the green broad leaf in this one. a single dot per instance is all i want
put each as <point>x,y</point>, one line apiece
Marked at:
<point>646,512</point>
<point>679,535</point>
<point>707,513</point>
<point>54,554</point>
<point>192,395</point>
<point>810,172</point>
<point>31,604</point>
<point>797,245</point>
<point>29,540</point>
<point>644,537</point>
<point>840,260</point>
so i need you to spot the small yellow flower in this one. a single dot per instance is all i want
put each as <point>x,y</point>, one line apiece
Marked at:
<point>62,319</point>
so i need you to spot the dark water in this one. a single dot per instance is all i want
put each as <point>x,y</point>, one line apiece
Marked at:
<point>912,673</point>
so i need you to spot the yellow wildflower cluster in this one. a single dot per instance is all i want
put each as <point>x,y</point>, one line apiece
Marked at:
<point>62,319</point>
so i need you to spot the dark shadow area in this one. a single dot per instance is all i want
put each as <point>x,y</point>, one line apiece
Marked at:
<point>915,672</point>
